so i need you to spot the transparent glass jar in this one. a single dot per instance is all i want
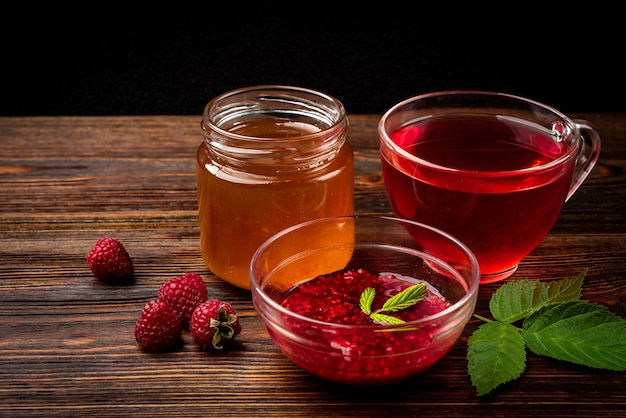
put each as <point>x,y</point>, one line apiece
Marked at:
<point>272,157</point>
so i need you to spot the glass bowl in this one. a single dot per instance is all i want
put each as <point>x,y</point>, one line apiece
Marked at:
<point>309,289</point>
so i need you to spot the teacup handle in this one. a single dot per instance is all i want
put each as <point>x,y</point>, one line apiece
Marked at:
<point>587,155</point>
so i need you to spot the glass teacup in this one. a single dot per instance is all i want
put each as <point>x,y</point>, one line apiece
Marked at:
<point>492,169</point>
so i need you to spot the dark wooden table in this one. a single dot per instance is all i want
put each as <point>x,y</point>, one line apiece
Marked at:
<point>66,339</point>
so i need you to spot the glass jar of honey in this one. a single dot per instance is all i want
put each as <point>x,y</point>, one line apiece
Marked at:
<point>272,157</point>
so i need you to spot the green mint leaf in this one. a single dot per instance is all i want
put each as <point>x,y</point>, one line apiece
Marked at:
<point>408,297</point>
<point>367,298</point>
<point>385,319</point>
<point>514,301</point>
<point>495,355</point>
<point>578,332</point>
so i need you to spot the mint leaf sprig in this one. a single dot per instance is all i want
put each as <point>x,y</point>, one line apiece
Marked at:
<point>555,322</point>
<point>408,297</point>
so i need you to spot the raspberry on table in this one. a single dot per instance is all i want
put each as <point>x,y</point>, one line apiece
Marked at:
<point>158,327</point>
<point>109,260</point>
<point>183,294</point>
<point>214,324</point>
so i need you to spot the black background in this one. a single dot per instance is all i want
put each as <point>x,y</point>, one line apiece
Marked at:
<point>171,58</point>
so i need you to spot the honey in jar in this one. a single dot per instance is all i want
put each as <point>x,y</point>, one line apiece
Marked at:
<point>272,157</point>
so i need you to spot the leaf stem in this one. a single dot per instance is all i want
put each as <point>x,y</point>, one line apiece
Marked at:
<point>482,318</point>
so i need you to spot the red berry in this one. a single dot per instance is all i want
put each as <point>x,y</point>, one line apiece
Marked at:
<point>214,324</point>
<point>183,294</point>
<point>158,327</point>
<point>109,260</point>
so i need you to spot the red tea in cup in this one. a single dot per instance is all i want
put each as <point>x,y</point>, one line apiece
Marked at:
<point>492,170</point>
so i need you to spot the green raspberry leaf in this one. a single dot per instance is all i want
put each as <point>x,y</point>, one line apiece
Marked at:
<point>578,332</point>
<point>495,355</point>
<point>517,300</point>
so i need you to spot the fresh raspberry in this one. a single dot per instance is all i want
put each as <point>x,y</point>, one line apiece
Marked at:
<point>183,294</point>
<point>158,327</point>
<point>214,324</point>
<point>109,260</point>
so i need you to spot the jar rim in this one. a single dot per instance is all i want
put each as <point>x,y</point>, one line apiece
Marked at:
<point>306,102</point>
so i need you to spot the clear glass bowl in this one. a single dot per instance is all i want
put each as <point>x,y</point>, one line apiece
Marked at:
<point>373,353</point>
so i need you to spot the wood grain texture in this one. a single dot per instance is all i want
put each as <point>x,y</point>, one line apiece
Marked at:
<point>66,339</point>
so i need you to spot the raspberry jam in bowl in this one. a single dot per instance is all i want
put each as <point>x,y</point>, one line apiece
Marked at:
<point>364,300</point>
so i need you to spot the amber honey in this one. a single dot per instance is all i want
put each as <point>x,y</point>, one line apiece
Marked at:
<point>264,170</point>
